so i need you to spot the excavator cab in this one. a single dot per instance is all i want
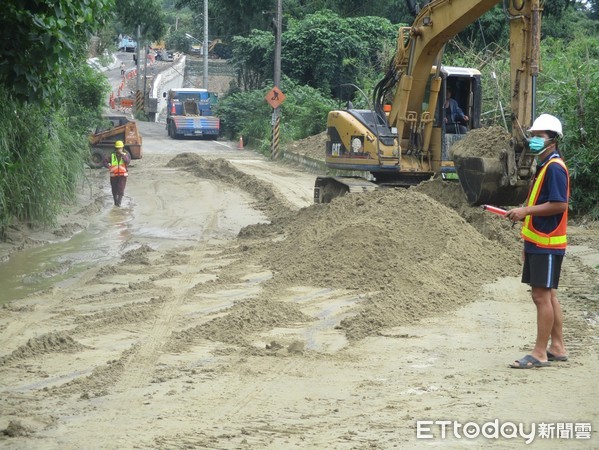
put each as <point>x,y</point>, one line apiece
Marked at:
<point>464,84</point>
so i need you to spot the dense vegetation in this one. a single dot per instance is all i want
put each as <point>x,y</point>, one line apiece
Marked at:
<point>49,97</point>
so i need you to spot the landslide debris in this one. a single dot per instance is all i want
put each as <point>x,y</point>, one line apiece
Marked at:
<point>409,251</point>
<point>58,342</point>
<point>414,256</point>
<point>311,147</point>
<point>267,199</point>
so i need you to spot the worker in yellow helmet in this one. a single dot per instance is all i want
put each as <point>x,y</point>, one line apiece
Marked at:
<point>118,165</point>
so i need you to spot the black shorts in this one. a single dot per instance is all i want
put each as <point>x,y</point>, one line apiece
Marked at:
<point>542,270</point>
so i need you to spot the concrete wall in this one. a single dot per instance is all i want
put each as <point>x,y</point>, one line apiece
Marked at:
<point>169,78</point>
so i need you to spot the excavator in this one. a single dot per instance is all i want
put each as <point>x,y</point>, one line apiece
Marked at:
<point>406,137</point>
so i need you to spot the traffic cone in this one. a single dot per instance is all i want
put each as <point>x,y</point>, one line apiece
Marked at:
<point>240,145</point>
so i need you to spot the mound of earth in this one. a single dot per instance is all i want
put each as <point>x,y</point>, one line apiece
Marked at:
<point>311,147</point>
<point>45,344</point>
<point>491,142</point>
<point>405,248</point>
<point>267,199</point>
<point>450,194</point>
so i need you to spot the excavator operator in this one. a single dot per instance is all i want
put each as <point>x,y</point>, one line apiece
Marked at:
<point>455,119</point>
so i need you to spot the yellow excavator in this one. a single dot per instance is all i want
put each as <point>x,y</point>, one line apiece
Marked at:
<point>405,138</point>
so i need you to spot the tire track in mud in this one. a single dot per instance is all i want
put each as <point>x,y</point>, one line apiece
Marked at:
<point>125,383</point>
<point>579,296</point>
<point>138,370</point>
<point>240,404</point>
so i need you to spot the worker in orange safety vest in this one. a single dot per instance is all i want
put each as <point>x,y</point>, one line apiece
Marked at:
<point>545,217</point>
<point>118,167</point>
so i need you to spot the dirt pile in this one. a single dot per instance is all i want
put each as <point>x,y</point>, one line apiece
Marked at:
<point>450,194</point>
<point>45,344</point>
<point>243,319</point>
<point>491,142</point>
<point>311,147</point>
<point>267,199</point>
<point>401,247</point>
<point>405,249</point>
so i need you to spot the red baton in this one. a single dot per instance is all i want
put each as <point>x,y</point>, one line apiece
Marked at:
<point>494,210</point>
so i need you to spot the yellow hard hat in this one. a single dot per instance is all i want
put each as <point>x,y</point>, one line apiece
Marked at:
<point>119,144</point>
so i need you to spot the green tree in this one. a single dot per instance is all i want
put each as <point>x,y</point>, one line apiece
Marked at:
<point>43,149</point>
<point>253,56</point>
<point>569,89</point>
<point>39,40</point>
<point>148,15</point>
<point>229,18</point>
<point>326,51</point>
<point>178,41</point>
<point>48,99</point>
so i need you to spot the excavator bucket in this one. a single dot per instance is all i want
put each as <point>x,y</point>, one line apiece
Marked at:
<point>481,161</point>
<point>485,181</point>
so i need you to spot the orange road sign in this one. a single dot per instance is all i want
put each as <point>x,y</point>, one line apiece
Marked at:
<point>275,97</point>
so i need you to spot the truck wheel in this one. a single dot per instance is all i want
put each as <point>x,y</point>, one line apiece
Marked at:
<point>172,132</point>
<point>96,158</point>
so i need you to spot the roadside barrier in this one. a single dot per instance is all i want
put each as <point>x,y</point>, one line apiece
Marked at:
<point>126,102</point>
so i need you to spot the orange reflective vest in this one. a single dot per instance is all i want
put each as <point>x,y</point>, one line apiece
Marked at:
<point>557,238</point>
<point>118,167</point>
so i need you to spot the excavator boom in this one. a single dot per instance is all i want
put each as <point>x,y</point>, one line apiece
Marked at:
<point>412,138</point>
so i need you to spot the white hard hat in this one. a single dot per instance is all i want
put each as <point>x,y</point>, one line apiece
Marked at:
<point>547,122</point>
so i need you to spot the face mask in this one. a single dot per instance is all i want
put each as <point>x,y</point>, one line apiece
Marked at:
<point>536,144</point>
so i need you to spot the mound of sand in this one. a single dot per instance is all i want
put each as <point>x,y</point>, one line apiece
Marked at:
<point>312,147</point>
<point>403,248</point>
<point>267,199</point>
<point>409,250</point>
<point>491,142</point>
<point>45,344</point>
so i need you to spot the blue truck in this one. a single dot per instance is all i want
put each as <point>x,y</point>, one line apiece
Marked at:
<point>190,113</point>
<point>126,44</point>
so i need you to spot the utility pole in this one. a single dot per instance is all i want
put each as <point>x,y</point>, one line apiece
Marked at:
<point>137,57</point>
<point>279,21</point>
<point>138,101</point>
<point>205,44</point>
<point>276,116</point>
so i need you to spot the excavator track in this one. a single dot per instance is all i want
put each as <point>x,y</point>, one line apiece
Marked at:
<point>328,188</point>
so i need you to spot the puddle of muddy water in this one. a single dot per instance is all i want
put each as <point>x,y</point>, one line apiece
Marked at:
<point>35,269</point>
<point>103,242</point>
<point>118,230</point>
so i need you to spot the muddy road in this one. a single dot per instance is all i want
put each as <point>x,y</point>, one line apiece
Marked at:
<point>218,308</point>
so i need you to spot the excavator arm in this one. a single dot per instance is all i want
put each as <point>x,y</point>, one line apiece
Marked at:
<point>408,143</point>
<point>420,47</point>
